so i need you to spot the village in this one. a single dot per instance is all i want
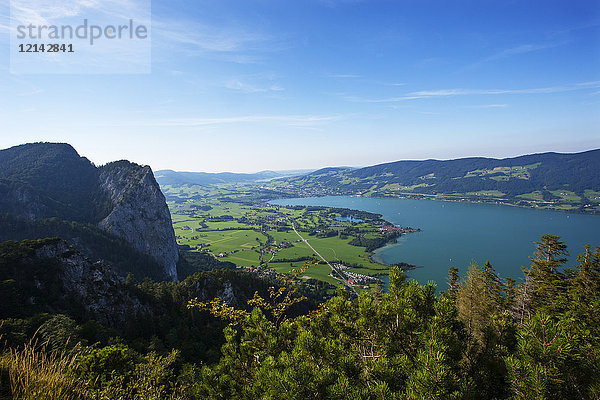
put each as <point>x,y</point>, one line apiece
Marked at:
<point>273,240</point>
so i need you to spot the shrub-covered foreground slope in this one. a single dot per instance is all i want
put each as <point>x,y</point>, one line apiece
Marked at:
<point>484,338</point>
<point>70,306</point>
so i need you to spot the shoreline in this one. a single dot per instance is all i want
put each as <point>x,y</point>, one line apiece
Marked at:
<point>391,242</point>
<point>374,258</point>
<point>496,201</point>
<point>432,197</point>
<point>549,220</point>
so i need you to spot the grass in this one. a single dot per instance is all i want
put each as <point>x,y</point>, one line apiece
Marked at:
<point>535,196</point>
<point>334,250</point>
<point>517,172</point>
<point>320,271</point>
<point>241,241</point>
<point>592,196</point>
<point>34,373</point>
<point>487,193</point>
<point>244,258</point>
<point>562,207</point>
<point>566,195</point>
<point>226,241</point>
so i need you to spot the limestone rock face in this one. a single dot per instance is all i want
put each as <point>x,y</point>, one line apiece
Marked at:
<point>21,201</point>
<point>94,285</point>
<point>139,212</point>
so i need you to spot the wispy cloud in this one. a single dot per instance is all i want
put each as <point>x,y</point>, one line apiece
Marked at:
<point>233,43</point>
<point>201,37</point>
<point>523,49</point>
<point>4,17</point>
<point>593,84</point>
<point>289,120</point>
<point>250,88</point>
<point>443,93</point>
<point>344,76</point>
<point>515,51</point>
<point>31,92</point>
<point>43,12</point>
<point>490,106</point>
<point>116,56</point>
<point>465,92</point>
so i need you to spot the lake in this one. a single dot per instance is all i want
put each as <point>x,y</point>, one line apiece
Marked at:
<point>453,234</point>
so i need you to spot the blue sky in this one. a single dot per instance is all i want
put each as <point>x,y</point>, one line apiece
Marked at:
<point>253,85</point>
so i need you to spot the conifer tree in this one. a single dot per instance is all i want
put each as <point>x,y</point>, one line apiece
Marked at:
<point>585,290</point>
<point>552,361</point>
<point>453,282</point>
<point>545,283</point>
<point>479,297</point>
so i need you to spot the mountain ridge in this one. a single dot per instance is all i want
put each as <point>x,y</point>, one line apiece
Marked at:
<point>45,181</point>
<point>568,179</point>
<point>176,178</point>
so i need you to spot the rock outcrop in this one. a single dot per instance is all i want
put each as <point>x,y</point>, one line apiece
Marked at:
<point>21,201</point>
<point>41,181</point>
<point>139,212</point>
<point>93,285</point>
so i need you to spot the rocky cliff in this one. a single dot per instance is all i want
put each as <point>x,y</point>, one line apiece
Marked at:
<point>92,285</point>
<point>48,182</point>
<point>139,212</point>
<point>21,201</point>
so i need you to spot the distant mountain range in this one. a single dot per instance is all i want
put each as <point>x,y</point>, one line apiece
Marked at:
<point>169,177</point>
<point>552,179</point>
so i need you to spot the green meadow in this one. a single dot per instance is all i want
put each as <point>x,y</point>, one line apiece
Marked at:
<point>233,225</point>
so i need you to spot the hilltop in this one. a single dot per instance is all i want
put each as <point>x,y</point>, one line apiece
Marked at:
<point>115,212</point>
<point>546,180</point>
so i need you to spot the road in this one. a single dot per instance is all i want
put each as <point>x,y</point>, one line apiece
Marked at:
<point>333,269</point>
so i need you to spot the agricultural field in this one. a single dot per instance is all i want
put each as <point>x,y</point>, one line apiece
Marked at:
<point>233,223</point>
<point>504,173</point>
<point>566,196</point>
<point>487,193</point>
<point>592,196</point>
<point>533,196</point>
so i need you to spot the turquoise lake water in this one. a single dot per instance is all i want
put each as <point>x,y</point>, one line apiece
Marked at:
<point>453,234</point>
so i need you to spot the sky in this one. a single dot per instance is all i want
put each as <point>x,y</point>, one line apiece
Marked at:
<point>252,85</point>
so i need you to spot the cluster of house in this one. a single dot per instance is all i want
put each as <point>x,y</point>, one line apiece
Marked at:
<point>271,219</point>
<point>224,254</point>
<point>273,247</point>
<point>355,279</point>
<point>301,191</point>
<point>262,272</point>
<point>394,229</point>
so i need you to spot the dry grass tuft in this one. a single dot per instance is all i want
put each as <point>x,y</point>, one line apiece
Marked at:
<point>35,373</point>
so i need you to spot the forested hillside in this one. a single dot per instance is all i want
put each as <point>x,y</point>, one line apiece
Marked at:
<point>50,180</point>
<point>553,180</point>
